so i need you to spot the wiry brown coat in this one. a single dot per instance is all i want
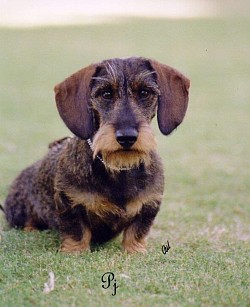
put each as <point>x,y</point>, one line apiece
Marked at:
<point>93,190</point>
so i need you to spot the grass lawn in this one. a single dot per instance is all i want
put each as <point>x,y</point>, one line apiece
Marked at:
<point>205,213</point>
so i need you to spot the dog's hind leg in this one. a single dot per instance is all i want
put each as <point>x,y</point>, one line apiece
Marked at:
<point>16,206</point>
<point>15,211</point>
<point>20,202</point>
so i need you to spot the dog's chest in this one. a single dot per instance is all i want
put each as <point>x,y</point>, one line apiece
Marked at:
<point>115,197</point>
<point>103,207</point>
<point>120,187</point>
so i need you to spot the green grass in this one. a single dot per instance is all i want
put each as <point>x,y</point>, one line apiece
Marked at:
<point>206,208</point>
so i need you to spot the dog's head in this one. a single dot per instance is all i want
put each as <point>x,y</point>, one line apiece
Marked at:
<point>114,101</point>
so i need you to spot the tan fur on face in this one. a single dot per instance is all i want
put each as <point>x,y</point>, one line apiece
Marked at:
<point>113,154</point>
<point>104,140</point>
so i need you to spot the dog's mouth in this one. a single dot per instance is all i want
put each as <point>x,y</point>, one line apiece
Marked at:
<point>125,153</point>
<point>126,150</point>
<point>124,159</point>
<point>123,149</point>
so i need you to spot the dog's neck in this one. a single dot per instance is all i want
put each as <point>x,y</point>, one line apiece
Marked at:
<point>107,166</point>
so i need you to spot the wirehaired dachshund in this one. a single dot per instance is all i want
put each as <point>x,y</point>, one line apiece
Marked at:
<point>108,178</point>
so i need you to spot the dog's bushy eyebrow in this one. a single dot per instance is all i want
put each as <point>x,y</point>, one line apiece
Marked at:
<point>107,72</point>
<point>112,71</point>
<point>101,79</point>
<point>146,78</point>
<point>142,75</point>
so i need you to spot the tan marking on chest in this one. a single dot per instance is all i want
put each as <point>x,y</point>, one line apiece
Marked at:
<point>95,204</point>
<point>102,207</point>
<point>147,198</point>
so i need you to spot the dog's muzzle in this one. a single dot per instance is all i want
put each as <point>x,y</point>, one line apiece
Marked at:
<point>126,137</point>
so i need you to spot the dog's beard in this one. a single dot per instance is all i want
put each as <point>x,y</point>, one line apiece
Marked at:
<point>115,157</point>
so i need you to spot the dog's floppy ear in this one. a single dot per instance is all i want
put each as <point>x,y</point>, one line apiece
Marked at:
<point>173,99</point>
<point>73,102</point>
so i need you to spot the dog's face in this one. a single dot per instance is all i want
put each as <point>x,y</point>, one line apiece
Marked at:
<point>114,101</point>
<point>124,92</point>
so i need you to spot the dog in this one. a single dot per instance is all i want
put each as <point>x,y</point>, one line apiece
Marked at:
<point>108,178</point>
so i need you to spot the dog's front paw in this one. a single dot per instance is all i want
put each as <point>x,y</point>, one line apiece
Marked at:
<point>69,245</point>
<point>73,250</point>
<point>134,246</point>
<point>131,243</point>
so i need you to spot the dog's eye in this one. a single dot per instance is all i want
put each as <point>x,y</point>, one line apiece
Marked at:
<point>143,93</point>
<point>107,94</point>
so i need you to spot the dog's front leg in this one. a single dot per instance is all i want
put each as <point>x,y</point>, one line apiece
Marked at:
<point>134,236</point>
<point>74,232</point>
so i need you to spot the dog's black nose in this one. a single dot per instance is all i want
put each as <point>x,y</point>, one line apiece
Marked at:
<point>126,137</point>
